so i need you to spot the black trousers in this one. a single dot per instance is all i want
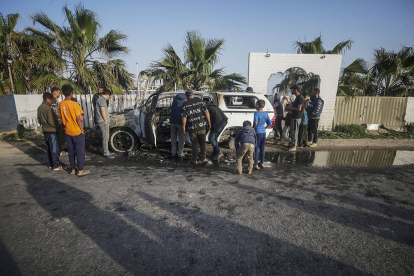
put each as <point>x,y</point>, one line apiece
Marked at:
<point>303,135</point>
<point>313,130</point>
<point>198,138</point>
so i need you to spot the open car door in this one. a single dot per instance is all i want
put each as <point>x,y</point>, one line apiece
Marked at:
<point>147,120</point>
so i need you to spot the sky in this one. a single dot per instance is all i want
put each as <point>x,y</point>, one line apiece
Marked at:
<point>246,26</point>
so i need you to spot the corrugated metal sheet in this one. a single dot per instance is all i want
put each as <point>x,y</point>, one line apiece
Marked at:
<point>361,158</point>
<point>370,110</point>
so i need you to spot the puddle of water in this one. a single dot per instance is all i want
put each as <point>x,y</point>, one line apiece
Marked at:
<point>352,158</point>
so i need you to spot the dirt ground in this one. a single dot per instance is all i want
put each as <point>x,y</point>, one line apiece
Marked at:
<point>136,215</point>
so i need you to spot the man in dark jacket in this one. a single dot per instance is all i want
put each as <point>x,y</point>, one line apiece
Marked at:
<point>247,138</point>
<point>218,123</point>
<point>297,113</point>
<point>278,111</point>
<point>176,126</point>
<point>50,126</point>
<point>314,114</point>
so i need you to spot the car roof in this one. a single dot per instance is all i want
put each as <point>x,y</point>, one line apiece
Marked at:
<point>178,92</point>
<point>237,94</point>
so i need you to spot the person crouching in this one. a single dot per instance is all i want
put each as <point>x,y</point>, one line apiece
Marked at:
<point>245,144</point>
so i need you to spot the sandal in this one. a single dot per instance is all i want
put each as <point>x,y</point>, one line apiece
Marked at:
<point>84,172</point>
<point>60,168</point>
<point>261,165</point>
<point>73,172</point>
<point>256,167</point>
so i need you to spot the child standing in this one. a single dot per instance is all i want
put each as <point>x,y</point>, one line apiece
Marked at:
<point>247,138</point>
<point>260,120</point>
<point>303,133</point>
<point>285,132</point>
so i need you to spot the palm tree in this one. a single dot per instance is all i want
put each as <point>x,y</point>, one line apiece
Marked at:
<point>393,73</point>
<point>9,50</point>
<point>295,75</point>
<point>79,48</point>
<point>316,47</point>
<point>196,69</point>
<point>308,81</point>
<point>226,81</point>
<point>355,80</point>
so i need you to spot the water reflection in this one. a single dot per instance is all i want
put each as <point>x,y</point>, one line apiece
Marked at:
<point>352,158</point>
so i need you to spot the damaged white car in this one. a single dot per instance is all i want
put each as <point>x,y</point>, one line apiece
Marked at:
<point>149,121</point>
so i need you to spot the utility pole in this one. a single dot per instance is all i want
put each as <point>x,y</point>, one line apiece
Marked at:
<point>10,74</point>
<point>137,82</point>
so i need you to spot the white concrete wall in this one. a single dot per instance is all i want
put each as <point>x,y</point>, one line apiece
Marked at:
<point>409,113</point>
<point>326,66</point>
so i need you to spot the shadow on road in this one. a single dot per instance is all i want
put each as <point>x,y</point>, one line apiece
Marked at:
<point>8,265</point>
<point>196,244</point>
<point>387,228</point>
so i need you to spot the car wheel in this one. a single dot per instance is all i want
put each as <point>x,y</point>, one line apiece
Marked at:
<point>122,140</point>
<point>232,144</point>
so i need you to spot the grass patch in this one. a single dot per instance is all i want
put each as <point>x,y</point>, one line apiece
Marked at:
<point>22,134</point>
<point>355,131</point>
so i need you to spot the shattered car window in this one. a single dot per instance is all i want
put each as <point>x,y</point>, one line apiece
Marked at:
<point>240,102</point>
<point>149,104</point>
<point>165,102</point>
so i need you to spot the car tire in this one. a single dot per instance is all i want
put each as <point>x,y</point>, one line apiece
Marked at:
<point>232,144</point>
<point>122,140</point>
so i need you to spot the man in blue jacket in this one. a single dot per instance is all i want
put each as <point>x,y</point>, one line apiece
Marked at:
<point>314,114</point>
<point>176,125</point>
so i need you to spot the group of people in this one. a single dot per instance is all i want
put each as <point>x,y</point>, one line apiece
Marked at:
<point>62,124</point>
<point>193,115</point>
<point>301,120</point>
<point>64,120</point>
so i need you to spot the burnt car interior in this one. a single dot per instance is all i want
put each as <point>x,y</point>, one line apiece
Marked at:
<point>240,102</point>
<point>163,111</point>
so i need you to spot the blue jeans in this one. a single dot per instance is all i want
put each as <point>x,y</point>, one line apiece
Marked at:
<point>213,136</point>
<point>53,149</point>
<point>260,145</point>
<point>76,143</point>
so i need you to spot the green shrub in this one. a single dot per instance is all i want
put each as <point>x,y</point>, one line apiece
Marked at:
<point>410,128</point>
<point>353,129</point>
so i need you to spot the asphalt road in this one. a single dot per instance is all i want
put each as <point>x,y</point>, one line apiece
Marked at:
<point>137,218</point>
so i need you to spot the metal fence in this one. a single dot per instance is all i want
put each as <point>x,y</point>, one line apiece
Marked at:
<point>117,104</point>
<point>388,111</point>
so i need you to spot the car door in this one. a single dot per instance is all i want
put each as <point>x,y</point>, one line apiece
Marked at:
<point>147,120</point>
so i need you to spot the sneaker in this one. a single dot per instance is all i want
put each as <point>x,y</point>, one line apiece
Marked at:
<point>218,156</point>
<point>58,168</point>
<point>111,153</point>
<point>109,156</point>
<point>310,143</point>
<point>313,145</point>
<point>292,149</point>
